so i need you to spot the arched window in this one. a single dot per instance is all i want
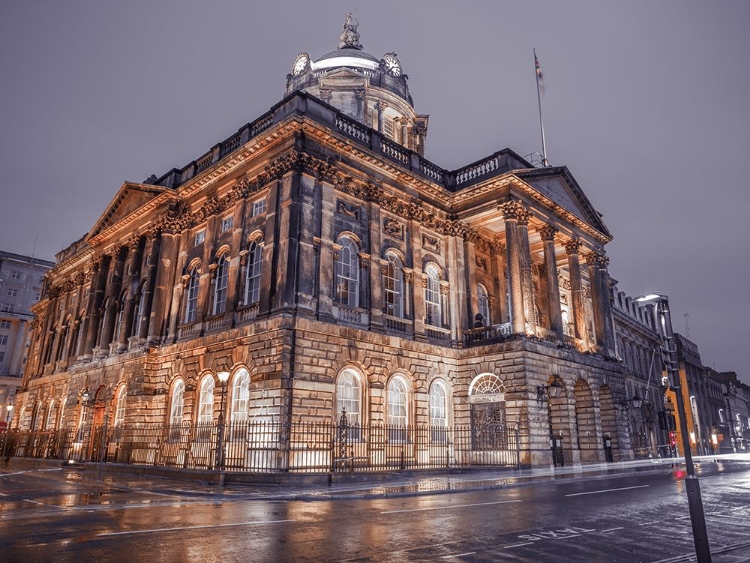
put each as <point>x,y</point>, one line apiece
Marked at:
<point>483,304</point>
<point>398,409</point>
<point>438,412</point>
<point>61,413</point>
<point>50,422</point>
<point>178,403</point>
<point>393,286</point>
<point>206,401</point>
<point>240,395</point>
<point>120,406</point>
<point>220,289</point>
<point>252,280</point>
<point>82,423</point>
<point>349,397</point>
<point>433,310</point>
<point>347,273</point>
<point>191,297</point>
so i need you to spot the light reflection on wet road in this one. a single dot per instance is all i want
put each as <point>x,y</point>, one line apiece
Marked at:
<point>56,516</point>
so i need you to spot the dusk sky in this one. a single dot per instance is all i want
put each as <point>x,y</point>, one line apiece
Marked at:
<point>646,103</point>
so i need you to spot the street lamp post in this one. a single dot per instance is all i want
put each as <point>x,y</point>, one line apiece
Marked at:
<point>695,503</point>
<point>223,378</point>
<point>9,416</point>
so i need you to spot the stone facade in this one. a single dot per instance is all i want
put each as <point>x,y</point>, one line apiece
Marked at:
<point>21,279</point>
<point>323,262</point>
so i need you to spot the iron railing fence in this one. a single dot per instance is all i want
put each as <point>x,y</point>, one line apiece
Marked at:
<point>251,446</point>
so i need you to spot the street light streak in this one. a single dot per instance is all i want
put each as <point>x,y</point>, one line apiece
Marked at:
<point>448,506</point>
<point>457,555</point>
<point>183,528</point>
<point>611,529</point>
<point>607,490</point>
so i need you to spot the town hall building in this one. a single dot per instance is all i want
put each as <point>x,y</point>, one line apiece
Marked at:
<point>316,268</point>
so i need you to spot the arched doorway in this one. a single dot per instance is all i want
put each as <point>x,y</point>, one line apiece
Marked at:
<point>588,439</point>
<point>608,414</point>
<point>558,410</point>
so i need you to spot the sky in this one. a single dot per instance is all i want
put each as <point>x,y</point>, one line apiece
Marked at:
<point>645,102</point>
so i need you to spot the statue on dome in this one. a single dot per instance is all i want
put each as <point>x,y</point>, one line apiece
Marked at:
<point>349,38</point>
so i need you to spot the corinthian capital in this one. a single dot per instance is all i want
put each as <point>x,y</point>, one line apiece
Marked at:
<point>547,232</point>
<point>573,246</point>
<point>514,210</point>
<point>597,258</point>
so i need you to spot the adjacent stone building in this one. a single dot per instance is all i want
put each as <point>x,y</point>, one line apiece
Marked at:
<point>318,258</point>
<point>21,279</point>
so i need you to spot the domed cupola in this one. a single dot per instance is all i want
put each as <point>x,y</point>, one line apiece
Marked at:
<point>371,90</point>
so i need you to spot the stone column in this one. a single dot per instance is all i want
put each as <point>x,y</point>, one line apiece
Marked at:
<point>148,290</point>
<point>380,107</point>
<point>602,308</point>
<point>96,298</point>
<point>377,270</point>
<point>572,247</point>
<point>527,280</point>
<point>165,262</point>
<point>460,259</point>
<point>131,281</point>
<point>547,233</point>
<point>113,295</point>
<point>511,210</point>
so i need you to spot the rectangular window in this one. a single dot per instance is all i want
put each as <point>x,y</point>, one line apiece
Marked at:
<point>259,207</point>
<point>388,128</point>
<point>3,340</point>
<point>200,236</point>
<point>41,279</point>
<point>2,356</point>
<point>226,224</point>
<point>12,292</point>
<point>6,307</point>
<point>4,324</point>
<point>15,275</point>
<point>37,296</point>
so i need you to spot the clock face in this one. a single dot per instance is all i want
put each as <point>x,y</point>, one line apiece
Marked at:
<point>391,64</point>
<point>300,64</point>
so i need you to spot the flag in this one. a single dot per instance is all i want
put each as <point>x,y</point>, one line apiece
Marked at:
<point>539,77</point>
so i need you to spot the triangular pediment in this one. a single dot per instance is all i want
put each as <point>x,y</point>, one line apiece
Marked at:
<point>129,199</point>
<point>558,185</point>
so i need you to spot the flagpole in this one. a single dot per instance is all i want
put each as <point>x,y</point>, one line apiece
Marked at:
<point>537,71</point>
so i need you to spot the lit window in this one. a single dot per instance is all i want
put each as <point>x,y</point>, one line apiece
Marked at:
<point>15,275</point>
<point>438,412</point>
<point>49,424</point>
<point>226,224</point>
<point>393,284</point>
<point>259,207</point>
<point>191,305</point>
<point>397,409</point>
<point>348,397</point>
<point>120,407</point>
<point>483,304</point>
<point>252,281</point>
<point>206,403</point>
<point>240,396</point>
<point>220,290</point>
<point>200,236</point>
<point>432,296</point>
<point>37,295</point>
<point>347,274</point>
<point>178,402</point>
<point>12,292</point>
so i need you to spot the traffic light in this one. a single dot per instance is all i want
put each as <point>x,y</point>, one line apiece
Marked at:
<point>673,438</point>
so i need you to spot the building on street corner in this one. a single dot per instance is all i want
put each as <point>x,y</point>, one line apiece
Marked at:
<point>316,268</point>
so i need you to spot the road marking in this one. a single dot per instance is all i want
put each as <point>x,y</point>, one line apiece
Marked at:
<point>611,530</point>
<point>183,528</point>
<point>607,490</point>
<point>518,545</point>
<point>448,506</point>
<point>29,471</point>
<point>457,555</point>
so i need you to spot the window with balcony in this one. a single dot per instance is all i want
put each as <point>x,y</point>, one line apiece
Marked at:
<point>347,273</point>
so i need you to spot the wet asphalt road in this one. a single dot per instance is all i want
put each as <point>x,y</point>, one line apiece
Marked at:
<point>58,516</point>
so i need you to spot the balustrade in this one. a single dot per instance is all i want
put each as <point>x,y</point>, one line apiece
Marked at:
<point>353,129</point>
